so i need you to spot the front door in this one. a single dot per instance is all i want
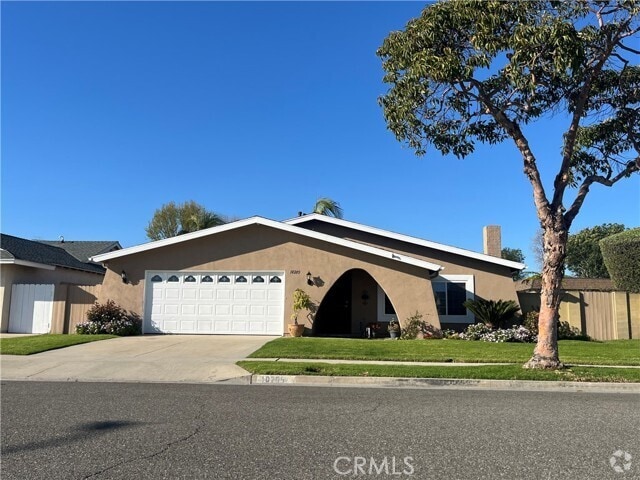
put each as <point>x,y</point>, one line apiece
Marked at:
<point>334,313</point>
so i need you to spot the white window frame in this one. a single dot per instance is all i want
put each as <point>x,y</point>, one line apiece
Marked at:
<point>468,280</point>
<point>383,317</point>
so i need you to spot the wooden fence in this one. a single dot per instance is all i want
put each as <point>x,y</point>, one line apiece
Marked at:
<point>604,314</point>
<point>71,303</point>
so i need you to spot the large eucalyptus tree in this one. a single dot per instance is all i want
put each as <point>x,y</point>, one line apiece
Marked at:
<point>478,71</point>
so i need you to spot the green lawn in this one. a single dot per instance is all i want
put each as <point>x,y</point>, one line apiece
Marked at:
<point>615,352</point>
<point>41,343</point>
<point>493,372</point>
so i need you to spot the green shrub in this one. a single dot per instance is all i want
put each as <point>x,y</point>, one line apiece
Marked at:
<point>621,254</point>
<point>495,314</point>
<point>110,318</point>
<point>565,330</point>
<point>531,321</point>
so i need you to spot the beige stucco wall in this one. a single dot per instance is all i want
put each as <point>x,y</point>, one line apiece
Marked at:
<point>491,281</point>
<point>258,247</point>
<point>14,274</point>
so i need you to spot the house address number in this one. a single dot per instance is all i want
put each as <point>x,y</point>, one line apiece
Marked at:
<point>294,272</point>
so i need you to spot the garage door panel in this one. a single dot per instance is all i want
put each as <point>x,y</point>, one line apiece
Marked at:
<point>274,295</point>
<point>214,302</point>
<point>223,294</point>
<point>172,293</point>
<point>170,309</point>
<point>189,294</point>
<point>239,310</point>
<point>241,295</point>
<point>206,294</point>
<point>258,294</point>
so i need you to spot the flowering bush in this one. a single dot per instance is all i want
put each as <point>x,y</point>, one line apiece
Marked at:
<point>482,332</point>
<point>111,319</point>
<point>418,328</point>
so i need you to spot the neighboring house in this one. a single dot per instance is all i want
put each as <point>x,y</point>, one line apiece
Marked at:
<point>34,276</point>
<point>239,278</point>
<point>592,305</point>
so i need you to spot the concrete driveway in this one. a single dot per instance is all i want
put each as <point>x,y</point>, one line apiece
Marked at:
<point>150,358</point>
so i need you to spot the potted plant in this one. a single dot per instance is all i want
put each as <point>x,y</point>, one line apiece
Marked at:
<point>301,301</point>
<point>394,329</point>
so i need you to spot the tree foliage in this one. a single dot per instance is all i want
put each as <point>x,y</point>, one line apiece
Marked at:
<point>468,71</point>
<point>176,219</point>
<point>621,254</point>
<point>584,257</point>
<point>515,255</point>
<point>327,206</point>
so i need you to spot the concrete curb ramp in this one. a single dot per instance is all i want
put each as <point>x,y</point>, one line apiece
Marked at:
<point>393,382</point>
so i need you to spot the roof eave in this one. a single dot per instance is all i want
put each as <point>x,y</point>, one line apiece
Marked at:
<point>432,267</point>
<point>515,266</point>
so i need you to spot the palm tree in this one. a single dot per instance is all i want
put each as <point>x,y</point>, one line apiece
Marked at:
<point>326,206</point>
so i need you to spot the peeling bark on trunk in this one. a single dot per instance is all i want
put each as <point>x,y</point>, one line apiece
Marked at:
<point>545,354</point>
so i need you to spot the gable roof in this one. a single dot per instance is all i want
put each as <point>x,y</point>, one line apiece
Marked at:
<point>20,251</point>
<point>406,238</point>
<point>83,250</point>
<point>400,257</point>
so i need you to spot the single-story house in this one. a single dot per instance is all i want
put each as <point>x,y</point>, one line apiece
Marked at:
<point>239,278</point>
<point>33,279</point>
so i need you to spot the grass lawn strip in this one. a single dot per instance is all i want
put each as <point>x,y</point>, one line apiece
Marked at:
<point>41,343</point>
<point>614,352</point>
<point>487,372</point>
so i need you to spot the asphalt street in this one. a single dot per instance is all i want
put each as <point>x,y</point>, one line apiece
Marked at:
<point>66,430</point>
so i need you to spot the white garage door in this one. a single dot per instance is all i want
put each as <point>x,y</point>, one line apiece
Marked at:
<point>237,303</point>
<point>31,308</point>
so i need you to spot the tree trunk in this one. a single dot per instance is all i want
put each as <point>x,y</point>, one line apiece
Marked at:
<point>545,354</point>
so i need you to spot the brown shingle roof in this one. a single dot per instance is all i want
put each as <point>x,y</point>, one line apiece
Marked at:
<point>597,284</point>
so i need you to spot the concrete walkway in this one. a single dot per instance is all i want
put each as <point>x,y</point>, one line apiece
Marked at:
<point>149,358</point>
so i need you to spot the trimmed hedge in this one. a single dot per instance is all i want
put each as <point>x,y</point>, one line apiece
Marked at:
<point>621,254</point>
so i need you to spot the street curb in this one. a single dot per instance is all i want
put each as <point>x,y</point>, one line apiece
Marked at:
<point>445,383</point>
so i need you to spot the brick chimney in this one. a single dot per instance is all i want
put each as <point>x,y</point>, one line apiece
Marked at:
<point>492,241</point>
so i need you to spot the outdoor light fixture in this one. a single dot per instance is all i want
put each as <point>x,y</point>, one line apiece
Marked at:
<point>364,297</point>
<point>309,279</point>
<point>123,275</point>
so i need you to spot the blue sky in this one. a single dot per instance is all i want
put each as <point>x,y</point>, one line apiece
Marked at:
<point>111,109</point>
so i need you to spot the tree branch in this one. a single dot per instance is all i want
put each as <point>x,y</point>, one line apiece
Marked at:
<point>570,215</point>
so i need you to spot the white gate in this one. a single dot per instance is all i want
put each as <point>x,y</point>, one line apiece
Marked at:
<point>31,308</point>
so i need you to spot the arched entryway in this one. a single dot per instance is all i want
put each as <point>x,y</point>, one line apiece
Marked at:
<point>353,302</point>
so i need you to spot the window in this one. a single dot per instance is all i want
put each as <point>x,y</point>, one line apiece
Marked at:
<point>450,292</point>
<point>241,279</point>
<point>258,279</point>
<point>156,278</point>
<point>388,307</point>
<point>207,279</point>
<point>190,279</point>
<point>223,279</point>
<point>173,278</point>
<point>275,280</point>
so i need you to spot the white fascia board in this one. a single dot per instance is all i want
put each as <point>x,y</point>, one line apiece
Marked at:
<point>408,239</point>
<point>25,263</point>
<point>273,224</point>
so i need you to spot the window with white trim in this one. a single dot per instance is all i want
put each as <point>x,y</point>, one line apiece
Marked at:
<point>450,292</point>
